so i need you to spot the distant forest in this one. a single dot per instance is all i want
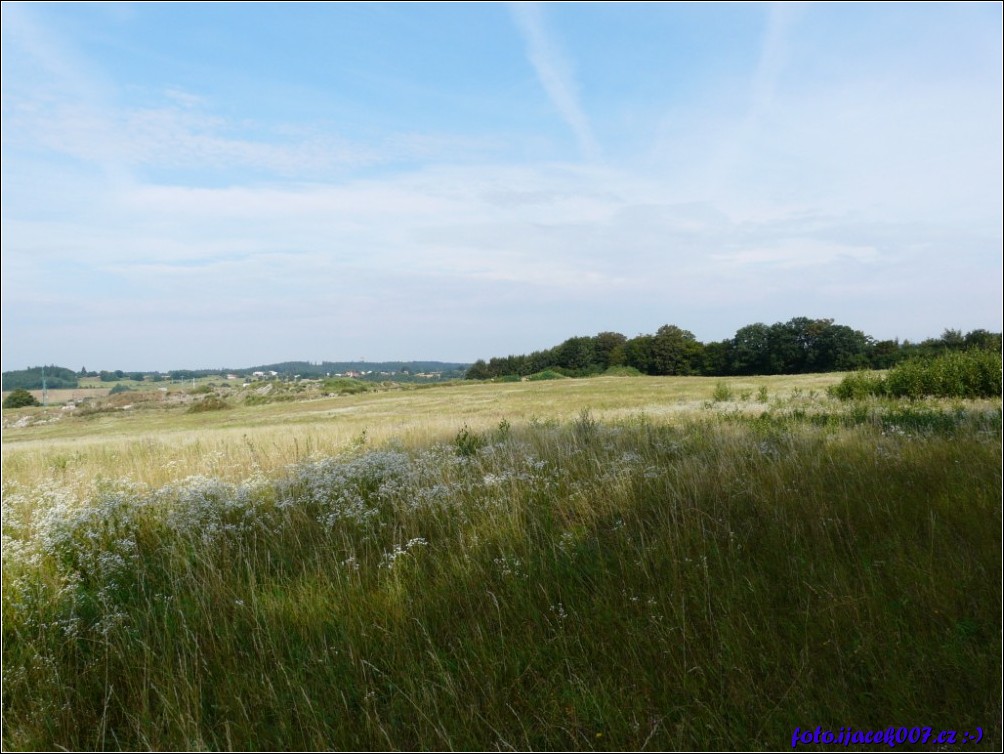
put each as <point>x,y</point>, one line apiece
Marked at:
<point>53,377</point>
<point>800,345</point>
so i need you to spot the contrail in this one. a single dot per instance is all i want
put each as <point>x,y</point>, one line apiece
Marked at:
<point>733,150</point>
<point>773,56</point>
<point>555,75</point>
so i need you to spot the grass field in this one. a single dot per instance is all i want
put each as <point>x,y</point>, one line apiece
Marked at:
<point>155,442</point>
<point>611,563</point>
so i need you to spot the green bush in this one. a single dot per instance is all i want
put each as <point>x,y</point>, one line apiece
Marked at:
<point>722,392</point>
<point>209,403</point>
<point>120,388</point>
<point>19,399</point>
<point>858,385</point>
<point>547,374</point>
<point>262,400</point>
<point>467,443</point>
<point>956,374</point>
<point>345,386</point>
<point>622,372</point>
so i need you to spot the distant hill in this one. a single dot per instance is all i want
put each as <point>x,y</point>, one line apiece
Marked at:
<point>379,371</point>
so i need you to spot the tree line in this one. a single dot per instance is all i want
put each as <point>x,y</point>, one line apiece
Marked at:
<point>52,377</point>
<point>800,345</point>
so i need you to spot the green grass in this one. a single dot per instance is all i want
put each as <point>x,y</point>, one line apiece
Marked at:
<point>601,579</point>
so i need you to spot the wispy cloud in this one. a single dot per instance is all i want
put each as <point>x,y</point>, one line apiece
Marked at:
<point>747,127</point>
<point>773,56</point>
<point>555,74</point>
<point>56,100</point>
<point>182,136</point>
<point>798,253</point>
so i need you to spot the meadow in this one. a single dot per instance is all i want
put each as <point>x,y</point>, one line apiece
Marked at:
<point>605,563</point>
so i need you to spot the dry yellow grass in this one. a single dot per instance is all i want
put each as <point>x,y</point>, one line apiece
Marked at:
<point>156,445</point>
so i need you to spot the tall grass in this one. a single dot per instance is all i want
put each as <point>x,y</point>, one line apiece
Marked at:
<point>554,585</point>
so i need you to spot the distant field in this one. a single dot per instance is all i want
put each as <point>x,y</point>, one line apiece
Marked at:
<point>150,439</point>
<point>56,397</point>
<point>598,564</point>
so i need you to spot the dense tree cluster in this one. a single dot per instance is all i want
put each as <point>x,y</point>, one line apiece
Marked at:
<point>31,379</point>
<point>800,345</point>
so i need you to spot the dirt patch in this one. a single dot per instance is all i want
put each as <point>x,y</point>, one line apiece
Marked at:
<point>68,394</point>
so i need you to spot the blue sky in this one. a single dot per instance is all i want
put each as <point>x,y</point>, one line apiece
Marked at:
<point>201,185</point>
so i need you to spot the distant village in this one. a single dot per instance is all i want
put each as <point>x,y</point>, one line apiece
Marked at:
<point>355,374</point>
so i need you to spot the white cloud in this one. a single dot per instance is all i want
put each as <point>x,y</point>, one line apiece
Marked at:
<point>789,253</point>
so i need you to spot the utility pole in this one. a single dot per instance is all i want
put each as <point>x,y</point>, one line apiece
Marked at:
<point>45,392</point>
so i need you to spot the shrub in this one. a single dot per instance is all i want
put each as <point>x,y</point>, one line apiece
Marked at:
<point>19,399</point>
<point>547,374</point>
<point>622,372</point>
<point>209,403</point>
<point>120,388</point>
<point>956,374</point>
<point>468,443</point>
<point>345,386</point>
<point>858,385</point>
<point>966,374</point>
<point>261,400</point>
<point>585,426</point>
<point>722,392</point>
<point>504,428</point>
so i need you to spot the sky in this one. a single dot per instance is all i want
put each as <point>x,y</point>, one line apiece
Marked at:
<point>226,185</point>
